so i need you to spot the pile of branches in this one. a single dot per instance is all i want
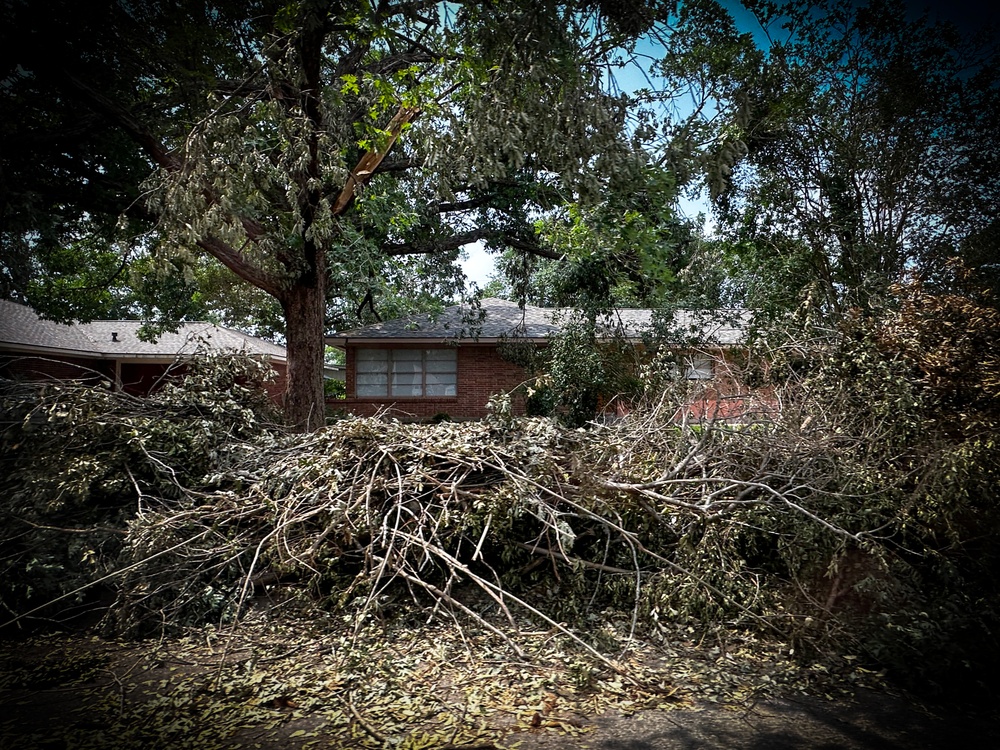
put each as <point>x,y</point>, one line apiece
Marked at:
<point>814,523</point>
<point>78,462</point>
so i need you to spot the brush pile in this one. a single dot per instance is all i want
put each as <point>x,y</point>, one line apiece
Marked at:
<point>186,509</point>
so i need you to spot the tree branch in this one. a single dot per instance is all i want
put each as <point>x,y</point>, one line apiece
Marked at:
<point>532,248</point>
<point>160,155</point>
<point>243,87</point>
<point>149,143</point>
<point>352,60</point>
<point>235,261</point>
<point>395,63</point>
<point>436,246</point>
<point>370,162</point>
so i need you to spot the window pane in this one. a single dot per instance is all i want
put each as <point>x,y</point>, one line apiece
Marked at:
<point>441,384</point>
<point>699,368</point>
<point>439,366</point>
<point>371,384</point>
<point>407,384</point>
<point>405,367</point>
<point>372,372</point>
<point>406,372</point>
<point>370,355</point>
<point>441,390</point>
<point>371,361</point>
<point>405,378</point>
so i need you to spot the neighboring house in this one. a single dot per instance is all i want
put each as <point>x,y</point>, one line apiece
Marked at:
<point>424,366</point>
<point>334,372</point>
<point>42,349</point>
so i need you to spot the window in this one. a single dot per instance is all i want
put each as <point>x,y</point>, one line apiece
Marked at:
<point>698,368</point>
<point>692,367</point>
<point>406,372</point>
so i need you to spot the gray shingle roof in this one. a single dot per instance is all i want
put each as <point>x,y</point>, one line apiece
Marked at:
<point>22,330</point>
<point>500,318</point>
<point>505,319</point>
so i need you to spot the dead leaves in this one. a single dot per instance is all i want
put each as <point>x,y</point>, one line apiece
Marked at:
<point>314,684</point>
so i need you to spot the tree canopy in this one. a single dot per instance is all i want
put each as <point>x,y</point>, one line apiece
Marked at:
<point>315,150</point>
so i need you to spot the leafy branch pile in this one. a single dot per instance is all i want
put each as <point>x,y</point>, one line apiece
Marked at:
<point>833,522</point>
<point>79,463</point>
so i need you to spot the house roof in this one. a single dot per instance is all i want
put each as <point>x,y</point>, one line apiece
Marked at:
<point>502,319</point>
<point>22,330</point>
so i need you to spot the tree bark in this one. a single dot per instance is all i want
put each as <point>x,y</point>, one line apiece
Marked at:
<point>305,306</point>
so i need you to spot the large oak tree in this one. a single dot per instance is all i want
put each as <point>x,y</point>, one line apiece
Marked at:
<point>310,148</point>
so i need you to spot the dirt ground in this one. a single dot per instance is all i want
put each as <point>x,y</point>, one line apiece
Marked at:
<point>82,692</point>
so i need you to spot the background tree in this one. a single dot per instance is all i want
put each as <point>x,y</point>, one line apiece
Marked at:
<point>851,149</point>
<point>633,249</point>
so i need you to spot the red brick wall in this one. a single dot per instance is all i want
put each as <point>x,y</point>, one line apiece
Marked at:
<point>481,373</point>
<point>725,397</point>
<point>143,378</point>
<point>732,399</point>
<point>276,387</point>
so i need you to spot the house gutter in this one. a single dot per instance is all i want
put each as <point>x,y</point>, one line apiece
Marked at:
<point>342,342</point>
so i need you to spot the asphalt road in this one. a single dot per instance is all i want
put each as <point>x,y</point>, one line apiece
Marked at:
<point>875,721</point>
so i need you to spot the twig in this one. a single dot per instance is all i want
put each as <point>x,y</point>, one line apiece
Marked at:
<point>375,735</point>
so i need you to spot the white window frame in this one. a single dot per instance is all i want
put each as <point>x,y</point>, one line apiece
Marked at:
<point>406,373</point>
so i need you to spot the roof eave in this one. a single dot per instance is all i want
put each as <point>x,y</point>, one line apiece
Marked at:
<point>7,347</point>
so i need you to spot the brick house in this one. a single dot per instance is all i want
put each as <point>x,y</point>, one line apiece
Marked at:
<point>450,364</point>
<point>111,350</point>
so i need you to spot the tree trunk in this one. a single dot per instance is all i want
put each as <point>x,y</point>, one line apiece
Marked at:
<point>305,307</point>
